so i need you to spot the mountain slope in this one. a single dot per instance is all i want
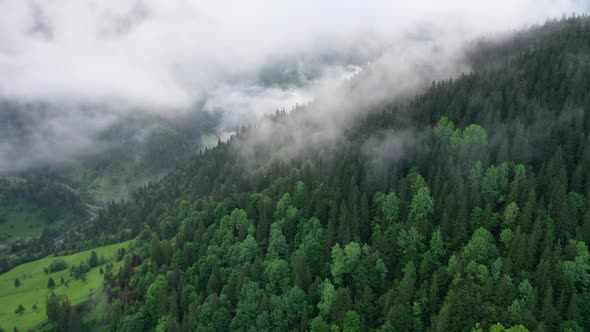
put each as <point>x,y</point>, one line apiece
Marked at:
<point>464,209</point>
<point>39,207</point>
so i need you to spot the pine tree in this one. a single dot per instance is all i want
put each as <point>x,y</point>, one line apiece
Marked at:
<point>93,261</point>
<point>50,283</point>
<point>20,309</point>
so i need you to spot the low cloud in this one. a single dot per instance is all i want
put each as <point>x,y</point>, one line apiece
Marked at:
<point>42,135</point>
<point>165,57</point>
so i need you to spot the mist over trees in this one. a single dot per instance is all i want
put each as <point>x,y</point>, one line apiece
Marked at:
<point>297,166</point>
<point>72,70</point>
<point>474,219</point>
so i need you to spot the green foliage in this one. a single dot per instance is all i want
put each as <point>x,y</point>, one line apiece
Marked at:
<point>498,327</point>
<point>278,246</point>
<point>437,245</point>
<point>495,183</point>
<point>481,248</point>
<point>345,260</point>
<point>277,275</point>
<point>410,242</point>
<point>61,313</point>
<point>19,310</point>
<point>391,208</point>
<point>506,237</point>
<point>352,322</point>
<point>282,206</point>
<point>472,137</point>
<point>444,129</point>
<point>33,290</point>
<point>326,297</point>
<point>577,271</point>
<point>50,283</point>
<point>247,308</point>
<point>422,208</point>
<point>57,265</point>
<point>483,220</point>
<point>510,214</point>
<point>156,299</point>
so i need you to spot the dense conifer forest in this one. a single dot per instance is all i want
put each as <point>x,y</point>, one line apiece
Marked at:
<point>465,208</point>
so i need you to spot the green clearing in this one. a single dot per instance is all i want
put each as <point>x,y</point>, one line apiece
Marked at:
<point>33,289</point>
<point>19,219</point>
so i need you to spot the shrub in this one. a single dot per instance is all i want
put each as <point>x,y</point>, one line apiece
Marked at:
<point>57,265</point>
<point>20,309</point>
<point>50,283</point>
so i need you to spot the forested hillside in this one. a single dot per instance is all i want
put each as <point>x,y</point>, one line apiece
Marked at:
<point>34,211</point>
<point>465,209</point>
<point>39,207</point>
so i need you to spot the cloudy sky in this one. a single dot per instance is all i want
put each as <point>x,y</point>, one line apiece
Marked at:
<point>164,56</point>
<point>166,53</point>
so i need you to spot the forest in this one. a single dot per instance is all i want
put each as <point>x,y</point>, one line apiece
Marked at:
<point>465,208</point>
<point>40,207</point>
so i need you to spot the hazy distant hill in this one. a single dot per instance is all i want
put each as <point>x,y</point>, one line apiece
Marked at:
<point>49,199</point>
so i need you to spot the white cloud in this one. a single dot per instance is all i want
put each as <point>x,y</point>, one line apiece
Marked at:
<point>165,55</point>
